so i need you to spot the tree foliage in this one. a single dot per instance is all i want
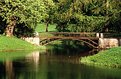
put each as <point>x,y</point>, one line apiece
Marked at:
<point>86,15</point>
<point>69,15</point>
<point>28,12</point>
<point>50,8</point>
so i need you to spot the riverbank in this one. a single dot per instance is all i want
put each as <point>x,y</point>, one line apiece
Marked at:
<point>109,58</point>
<point>13,43</point>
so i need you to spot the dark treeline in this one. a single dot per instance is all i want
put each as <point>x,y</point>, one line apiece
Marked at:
<point>16,17</point>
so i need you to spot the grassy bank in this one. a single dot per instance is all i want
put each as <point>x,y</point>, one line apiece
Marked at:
<point>12,43</point>
<point>109,58</point>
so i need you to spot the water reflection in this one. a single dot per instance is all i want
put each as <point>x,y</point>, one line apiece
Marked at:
<point>33,58</point>
<point>49,66</point>
<point>9,69</point>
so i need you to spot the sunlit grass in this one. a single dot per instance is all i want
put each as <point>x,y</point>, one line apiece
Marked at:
<point>13,43</point>
<point>110,58</point>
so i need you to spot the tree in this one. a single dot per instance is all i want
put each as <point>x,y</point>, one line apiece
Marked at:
<point>85,15</point>
<point>50,12</point>
<point>113,15</point>
<point>63,13</point>
<point>28,12</point>
<point>77,15</point>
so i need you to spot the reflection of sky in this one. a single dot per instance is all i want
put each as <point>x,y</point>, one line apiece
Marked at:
<point>44,66</point>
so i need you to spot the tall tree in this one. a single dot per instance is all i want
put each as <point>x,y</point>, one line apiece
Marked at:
<point>85,15</point>
<point>28,12</point>
<point>63,13</point>
<point>75,15</point>
<point>50,6</point>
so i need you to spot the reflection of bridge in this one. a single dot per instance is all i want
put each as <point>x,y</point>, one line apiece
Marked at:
<point>89,38</point>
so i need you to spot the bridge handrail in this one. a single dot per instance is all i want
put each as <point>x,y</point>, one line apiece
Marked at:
<point>112,35</point>
<point>83,34</point>
<point>72,32</point>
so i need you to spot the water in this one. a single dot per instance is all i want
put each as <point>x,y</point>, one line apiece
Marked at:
<point>38,65</point>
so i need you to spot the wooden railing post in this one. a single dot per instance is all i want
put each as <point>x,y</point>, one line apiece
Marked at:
<point>101,35</point>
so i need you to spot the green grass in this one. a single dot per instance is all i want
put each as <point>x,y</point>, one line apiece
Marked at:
<point>12,48</point>
<point>41,28</point>
<point>8,43</point>
<point>13,43</point>
<point>109,58</point>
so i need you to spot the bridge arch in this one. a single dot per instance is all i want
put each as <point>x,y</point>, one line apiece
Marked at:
<point>89,42</point>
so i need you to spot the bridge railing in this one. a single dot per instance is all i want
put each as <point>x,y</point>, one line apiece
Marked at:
<point>110,35</point>
<point>81,34</point>
<point>74,34</point>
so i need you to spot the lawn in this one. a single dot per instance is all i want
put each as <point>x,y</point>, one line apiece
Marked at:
<point>109,58</point>
<point>13,43</point>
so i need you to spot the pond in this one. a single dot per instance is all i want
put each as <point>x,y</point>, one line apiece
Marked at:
<point>48,65</point>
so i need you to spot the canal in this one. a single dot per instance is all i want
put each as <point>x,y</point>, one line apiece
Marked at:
<point>49,65</point>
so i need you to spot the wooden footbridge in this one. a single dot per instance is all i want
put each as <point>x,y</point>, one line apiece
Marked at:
<point>95,40</point>
<point>90,39</point>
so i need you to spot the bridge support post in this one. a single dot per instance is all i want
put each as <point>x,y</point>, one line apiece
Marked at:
<point>97,35</point>
<point>32,40</point>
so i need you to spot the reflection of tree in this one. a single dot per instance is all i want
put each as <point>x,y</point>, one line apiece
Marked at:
<point>9,69</point>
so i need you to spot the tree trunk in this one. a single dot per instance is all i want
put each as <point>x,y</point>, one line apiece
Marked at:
<point>10,28</point>
<point>47,24</point>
